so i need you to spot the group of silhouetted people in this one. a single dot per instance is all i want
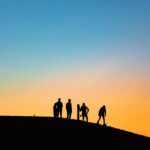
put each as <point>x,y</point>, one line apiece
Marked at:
<point>58,107</point>
<point>84,110</point>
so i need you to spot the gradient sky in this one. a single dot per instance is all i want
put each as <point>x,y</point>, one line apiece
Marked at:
<point>92,51</point>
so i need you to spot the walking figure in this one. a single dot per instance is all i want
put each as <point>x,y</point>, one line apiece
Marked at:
<point>69,109</point>
<point>102,113</point>
<point>84,109</point>
<point>59,107</point>
<point>55,110</point>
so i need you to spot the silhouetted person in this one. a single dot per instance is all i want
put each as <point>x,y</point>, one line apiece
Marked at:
<point>102,113</point>
<point>59,108</point>
<point>85,111</point>
<point>69,109</point>
<point>55,111</point>
<point>78,111</point>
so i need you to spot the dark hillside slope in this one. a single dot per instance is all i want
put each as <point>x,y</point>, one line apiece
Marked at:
<point>45,133</point>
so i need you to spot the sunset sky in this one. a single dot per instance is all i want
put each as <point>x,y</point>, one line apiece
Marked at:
<point>92,51</point>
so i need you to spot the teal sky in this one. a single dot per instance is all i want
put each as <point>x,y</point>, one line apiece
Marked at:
<point>55,36</point>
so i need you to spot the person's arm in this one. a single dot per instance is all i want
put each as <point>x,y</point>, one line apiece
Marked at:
<point>87,109</point>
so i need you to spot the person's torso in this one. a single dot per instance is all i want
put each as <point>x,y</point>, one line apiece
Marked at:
<point>59,105</point>
<point>69,106</point>
<point>83,109</point>
<point>101,112</point>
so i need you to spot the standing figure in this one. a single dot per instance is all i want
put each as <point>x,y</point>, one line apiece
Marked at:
<point>102,113</point>
<point>55,110</point>
<point>59,108</point>
<point>85,111</point>
<point>69,109</point>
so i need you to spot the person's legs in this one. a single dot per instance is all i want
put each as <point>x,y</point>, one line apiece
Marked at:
<point>69,115</point>
<point>99,119</point>
<point>87,118</point>
<point>57,113</point>
<point>83,117</point>
<point>61,114</point>
<point>103,120</point>
<point>54,113</point>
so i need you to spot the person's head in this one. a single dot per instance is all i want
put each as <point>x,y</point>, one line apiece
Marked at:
<point>104,106</point>
<point>69,100</point>
<point>83,104</point>
<point>59,99</point>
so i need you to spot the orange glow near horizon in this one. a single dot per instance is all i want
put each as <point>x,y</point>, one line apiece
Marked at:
<point>126,98</point>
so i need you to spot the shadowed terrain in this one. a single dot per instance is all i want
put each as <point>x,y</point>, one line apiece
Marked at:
<point>45,133</point>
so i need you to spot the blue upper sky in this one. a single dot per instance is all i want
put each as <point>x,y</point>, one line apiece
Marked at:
<point>46,34</point>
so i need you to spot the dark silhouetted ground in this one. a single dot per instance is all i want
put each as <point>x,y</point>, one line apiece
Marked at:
<point>45,133</point>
